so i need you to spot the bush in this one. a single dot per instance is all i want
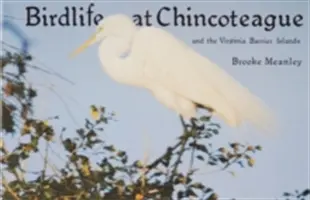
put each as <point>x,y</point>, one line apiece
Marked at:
<point>112,176</point>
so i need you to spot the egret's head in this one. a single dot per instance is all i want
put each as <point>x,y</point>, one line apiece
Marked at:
<point>112,26</point>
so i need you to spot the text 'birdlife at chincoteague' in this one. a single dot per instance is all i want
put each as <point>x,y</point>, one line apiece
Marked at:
<point>164,16</point>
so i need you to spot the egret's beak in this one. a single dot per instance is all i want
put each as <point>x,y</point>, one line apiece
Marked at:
<point>86,44</point>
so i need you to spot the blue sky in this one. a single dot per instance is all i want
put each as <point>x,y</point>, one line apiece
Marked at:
<point>282,166</point>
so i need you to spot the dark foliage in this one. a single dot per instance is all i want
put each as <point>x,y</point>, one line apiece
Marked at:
<point>112,176</point>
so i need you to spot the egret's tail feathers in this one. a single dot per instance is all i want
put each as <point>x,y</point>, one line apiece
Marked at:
<point>235,103</point>
<point>259,115</point>
<point>249,109</point>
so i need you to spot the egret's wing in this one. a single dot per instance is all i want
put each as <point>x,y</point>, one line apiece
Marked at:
<point>173,65</point>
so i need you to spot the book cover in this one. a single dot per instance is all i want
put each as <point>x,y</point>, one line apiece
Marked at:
<point>155,100</point>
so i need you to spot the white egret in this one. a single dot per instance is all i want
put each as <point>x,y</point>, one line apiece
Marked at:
<point>177,76</point>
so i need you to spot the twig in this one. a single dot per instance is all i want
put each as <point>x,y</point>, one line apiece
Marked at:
<point>144,168</point>
<point>234,161</point>
<point>66,107</point>
<point>14,18</point>
<point>158,160</point>
<point>48,163</point>
<point>18,176</point>
<point>52,72</point>
<point>8,188</point>
<point>178,161</point>
<point>191,164</point>
<point>44,168</point>
<point>177,145</point>
<point>182,150</point>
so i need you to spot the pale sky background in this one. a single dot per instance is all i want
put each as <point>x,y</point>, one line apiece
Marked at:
<point>281,166</point>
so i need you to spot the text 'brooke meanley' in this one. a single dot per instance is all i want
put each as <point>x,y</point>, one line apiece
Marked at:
<point>267,61</point>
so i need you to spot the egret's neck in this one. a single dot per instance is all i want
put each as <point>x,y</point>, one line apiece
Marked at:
<point>111,51</point>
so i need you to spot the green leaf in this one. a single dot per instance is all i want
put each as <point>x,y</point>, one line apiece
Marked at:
<point>212,163</point>
<point>198,186</point>
<point>91,133</point>
<point>200,157</point>
<point>213,196</point>
<point>157,174</point>
<point>73,157</point>
<point>202,148</point>
<point>124,160</point>
<point>205,118</point>
<point>47,195</point>
<point>13,161</point>
<point>207,190</point>
<point>190,192</point>
<point>222,158</point>
<point>24,155</point>
<point>69,145</point>
<point>121,153</point>
<point>110,148</point>
<point>286,194</point>
<point>7,118</point>
<point>32,93</point>
<point>305,192</point>
<point>259,148</point>
<point>216,125</point>
<point>81,132</point>
<point>181,195</point>
<point>215,131</point>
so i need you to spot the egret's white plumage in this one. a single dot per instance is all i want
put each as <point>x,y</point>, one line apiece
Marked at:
<point>177,76</point>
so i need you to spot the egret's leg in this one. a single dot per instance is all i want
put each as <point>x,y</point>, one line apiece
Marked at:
<point>182,121</point>
<point>193,121</point>
<point>185,126</point>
